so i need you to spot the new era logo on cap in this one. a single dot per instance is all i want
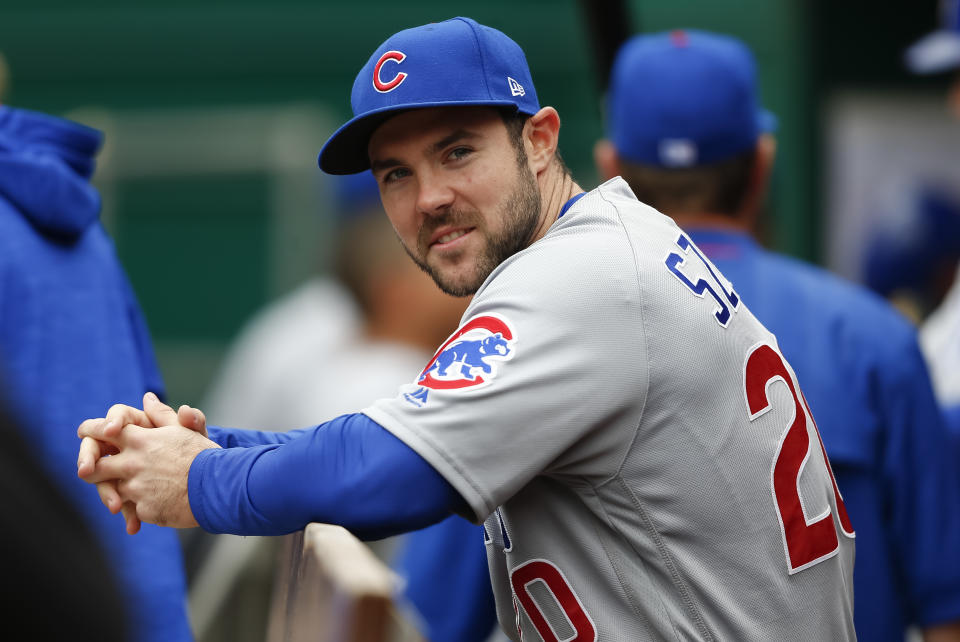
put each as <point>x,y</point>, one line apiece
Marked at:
<point>516,89</point>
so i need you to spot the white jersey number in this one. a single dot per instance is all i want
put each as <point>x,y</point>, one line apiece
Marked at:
<point>806,541</point>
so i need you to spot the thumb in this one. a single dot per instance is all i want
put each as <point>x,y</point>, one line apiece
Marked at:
<point>193,419</point>
<point>159,413</point>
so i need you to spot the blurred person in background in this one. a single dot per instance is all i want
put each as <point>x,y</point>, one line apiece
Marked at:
<point>314,318</point>
<point>74,341</point>
<point>919,266</point>
<point>687,133</point>
<point>375,320</point>
<point>56,579</point>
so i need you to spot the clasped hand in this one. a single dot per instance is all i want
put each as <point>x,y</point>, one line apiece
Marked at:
<point>140,460</point>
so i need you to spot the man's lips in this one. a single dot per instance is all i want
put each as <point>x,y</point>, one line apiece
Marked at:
<point>445,237</point>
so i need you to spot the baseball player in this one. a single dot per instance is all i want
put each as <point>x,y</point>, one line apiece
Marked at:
<point>859,360</point>
<point>640,452</point>
<point>938,226</point>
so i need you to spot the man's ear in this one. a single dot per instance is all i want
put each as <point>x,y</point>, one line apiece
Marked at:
<point>606,159</point>
<point>766,151</point>
<point>541,133</point>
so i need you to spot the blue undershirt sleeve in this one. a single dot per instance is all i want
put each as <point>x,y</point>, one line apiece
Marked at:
<point>241,438</point>
<point>349,471</point>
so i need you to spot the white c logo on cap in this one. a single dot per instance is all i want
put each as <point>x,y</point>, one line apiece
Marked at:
<point>390,85</point>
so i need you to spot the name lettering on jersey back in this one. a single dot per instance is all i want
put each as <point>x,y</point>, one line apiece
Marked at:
<point>727,300</point>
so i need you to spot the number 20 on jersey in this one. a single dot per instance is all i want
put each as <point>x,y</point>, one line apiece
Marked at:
<point>806,541</point>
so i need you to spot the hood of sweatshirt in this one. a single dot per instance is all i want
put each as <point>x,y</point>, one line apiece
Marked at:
<point>45,168</point>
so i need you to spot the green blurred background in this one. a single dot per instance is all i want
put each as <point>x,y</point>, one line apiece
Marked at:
<point>214,112</point>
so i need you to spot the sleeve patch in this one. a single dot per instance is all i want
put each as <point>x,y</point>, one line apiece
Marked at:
<point>471,356</point>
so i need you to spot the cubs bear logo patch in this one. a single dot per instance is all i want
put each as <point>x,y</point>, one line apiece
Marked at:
<point>470,357</point>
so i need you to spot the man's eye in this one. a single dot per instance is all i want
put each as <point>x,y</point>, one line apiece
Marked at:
<point>395,174</point>
<point>459,153</point>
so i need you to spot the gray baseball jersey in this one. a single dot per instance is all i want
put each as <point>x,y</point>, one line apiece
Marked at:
<point>641,452</point>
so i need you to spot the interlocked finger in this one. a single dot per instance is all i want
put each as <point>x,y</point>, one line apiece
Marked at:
<point>110,496</point>
<point>129,510</point>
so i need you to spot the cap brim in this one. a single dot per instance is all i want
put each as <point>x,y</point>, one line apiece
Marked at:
<point>936,52</point>
<point>346,150</point>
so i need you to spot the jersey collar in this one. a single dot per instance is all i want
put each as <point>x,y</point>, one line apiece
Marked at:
<point>569,204</point>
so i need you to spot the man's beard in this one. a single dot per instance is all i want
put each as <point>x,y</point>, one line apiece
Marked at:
<point>519,215</point>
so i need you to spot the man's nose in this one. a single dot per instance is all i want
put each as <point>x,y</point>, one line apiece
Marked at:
<point>435,196</point>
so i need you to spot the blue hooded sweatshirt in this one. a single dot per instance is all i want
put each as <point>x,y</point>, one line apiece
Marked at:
<point>73,341</point>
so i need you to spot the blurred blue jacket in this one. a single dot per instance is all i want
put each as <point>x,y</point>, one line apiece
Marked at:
<point>73,341</point>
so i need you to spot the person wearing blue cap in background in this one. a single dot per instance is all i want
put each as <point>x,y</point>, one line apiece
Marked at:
<point>686,131</point>
<point>924,265</point>
<point>629,434</point>
<point>73,341</point>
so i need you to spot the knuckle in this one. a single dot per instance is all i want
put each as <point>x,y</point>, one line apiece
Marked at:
<point>147,513</point>
<point>128,469</point>
<point>130,487</point>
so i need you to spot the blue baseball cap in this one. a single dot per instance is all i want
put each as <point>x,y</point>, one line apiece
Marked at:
<point>905,252</point>
<point>684,98</point>
<point>450,63</point>
<point>939,50</point>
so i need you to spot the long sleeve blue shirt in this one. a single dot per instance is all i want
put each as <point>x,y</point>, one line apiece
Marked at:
<point>348,471</point>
